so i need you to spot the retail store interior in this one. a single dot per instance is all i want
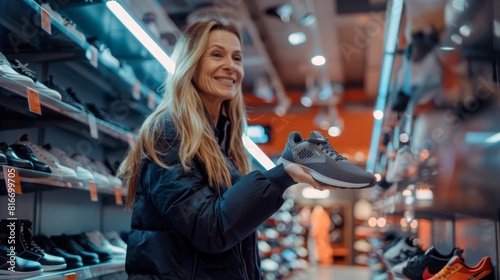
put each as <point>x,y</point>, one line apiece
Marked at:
<point>406,89</point>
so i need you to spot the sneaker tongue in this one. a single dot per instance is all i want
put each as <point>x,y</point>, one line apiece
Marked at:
<point>316,135</point>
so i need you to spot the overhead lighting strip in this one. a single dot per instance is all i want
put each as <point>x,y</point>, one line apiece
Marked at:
<point>141,35</point>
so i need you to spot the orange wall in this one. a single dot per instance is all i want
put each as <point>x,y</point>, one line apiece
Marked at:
<point>355,136</point>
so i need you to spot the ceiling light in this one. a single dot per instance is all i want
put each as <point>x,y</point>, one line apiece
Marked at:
<point>141,35</point>
<point>378,114</point>
<point>493,139</point>
<point>465,30</point>
<point>446,48</point>
<point>318,60</point>
<point>307,20</point>
<point>285,12</point>
<point>257,153</point>
<point>297,38</point>
<point>334,131</point>
<point>455,38</point>
<point>306,101</point>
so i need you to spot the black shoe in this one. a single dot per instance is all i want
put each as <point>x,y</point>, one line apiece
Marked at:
<point>25,152</point>
<point>12,159</point>
<point>22,268</point>
<point>84,241</point>
<point>71,246</point>
<point>26,248</point>
<point>73,261</point>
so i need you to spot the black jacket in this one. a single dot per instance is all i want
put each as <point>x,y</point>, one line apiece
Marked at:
<point>182,229</point>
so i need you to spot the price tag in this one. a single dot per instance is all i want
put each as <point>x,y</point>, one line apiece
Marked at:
<point>136,91</point>
<point>130,140</point>
<point>93,127</point>
<point>70,276</point>
<point>151,100</point>
<point>118,195</point>
<point>93,56</point>
<point>93,191</point>
<point>46,24</point>
<point>12,182</point>
<point>34,101</point>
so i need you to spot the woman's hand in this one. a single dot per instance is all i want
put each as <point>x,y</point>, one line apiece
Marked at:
<point>299,175</point>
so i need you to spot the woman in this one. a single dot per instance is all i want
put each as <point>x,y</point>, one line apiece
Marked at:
<point>195,205</point>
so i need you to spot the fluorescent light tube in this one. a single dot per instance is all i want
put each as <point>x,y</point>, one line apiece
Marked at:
<point>141,35</point>
<point>257,153</point>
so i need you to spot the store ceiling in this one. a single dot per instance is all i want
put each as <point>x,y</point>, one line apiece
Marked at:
<point>348,33</point>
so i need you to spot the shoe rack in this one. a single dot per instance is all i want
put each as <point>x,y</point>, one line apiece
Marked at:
<point>443,153</point>
<point>82,46</point>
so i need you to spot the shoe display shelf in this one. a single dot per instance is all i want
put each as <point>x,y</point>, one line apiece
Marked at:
<point>442,154</point>
<point>29,42</point>
<point>53,110</point>
<point>114,268</point>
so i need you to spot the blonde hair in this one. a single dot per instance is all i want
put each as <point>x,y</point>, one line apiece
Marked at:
<point>182,105</point>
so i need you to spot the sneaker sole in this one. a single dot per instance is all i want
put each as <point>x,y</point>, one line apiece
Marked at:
<point>327,180</point>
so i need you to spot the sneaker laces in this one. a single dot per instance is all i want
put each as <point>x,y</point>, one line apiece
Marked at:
<point>444,274</point>
<point>23,69</point>
<point>27,238</point>
<point>327,148</point>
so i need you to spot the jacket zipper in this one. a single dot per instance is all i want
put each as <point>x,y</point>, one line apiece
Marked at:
<point>195,263</point>
<point>243,260</point>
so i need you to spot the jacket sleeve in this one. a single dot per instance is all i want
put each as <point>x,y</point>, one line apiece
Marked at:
<point>215,224</point>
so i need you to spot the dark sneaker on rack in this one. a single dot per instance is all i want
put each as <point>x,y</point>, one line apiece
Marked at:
<point>73,261</point>
<point>71,246</point>
<point>427,265</point>
<point>20,268</point>
<point>25,153</point>
<point>12,158</point>
<point>324,164</point>
<point>26,248</point>
<point>84,241</point>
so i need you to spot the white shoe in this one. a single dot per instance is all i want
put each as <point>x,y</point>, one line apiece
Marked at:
<point>81,173</point>
<point>41,88</point>
<point>100,241</point>
<point>6,69</point>
<point>114,238</point>
<point>100,180</point>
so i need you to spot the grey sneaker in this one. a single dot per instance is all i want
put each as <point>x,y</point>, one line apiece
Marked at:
<point>324,164</point>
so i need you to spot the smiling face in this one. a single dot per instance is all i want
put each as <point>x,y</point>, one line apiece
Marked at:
<point>219,73</point>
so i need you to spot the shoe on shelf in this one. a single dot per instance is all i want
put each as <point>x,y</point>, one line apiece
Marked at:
<point>427,265</point>
<point>11,74</point>
<point>405,249</point>
<point>324,164</point>
<point>100,180</point>
<point>37,85</point>
<point>456,269</point>
<point>25,153</point>
<point>47,245</point>
<point>13,159</point>
<point>44,156</point>
<point>22,268</point>
<point>114,238</point>
<point>101,168</point>
<point>81,173</point>
<point>26,248</point>
<point>84,241</point>
<point>71,246</point>
<point>100,241</point>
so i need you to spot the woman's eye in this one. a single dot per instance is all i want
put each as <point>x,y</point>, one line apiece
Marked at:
<point>238,58</point>
<point>217,54</point>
